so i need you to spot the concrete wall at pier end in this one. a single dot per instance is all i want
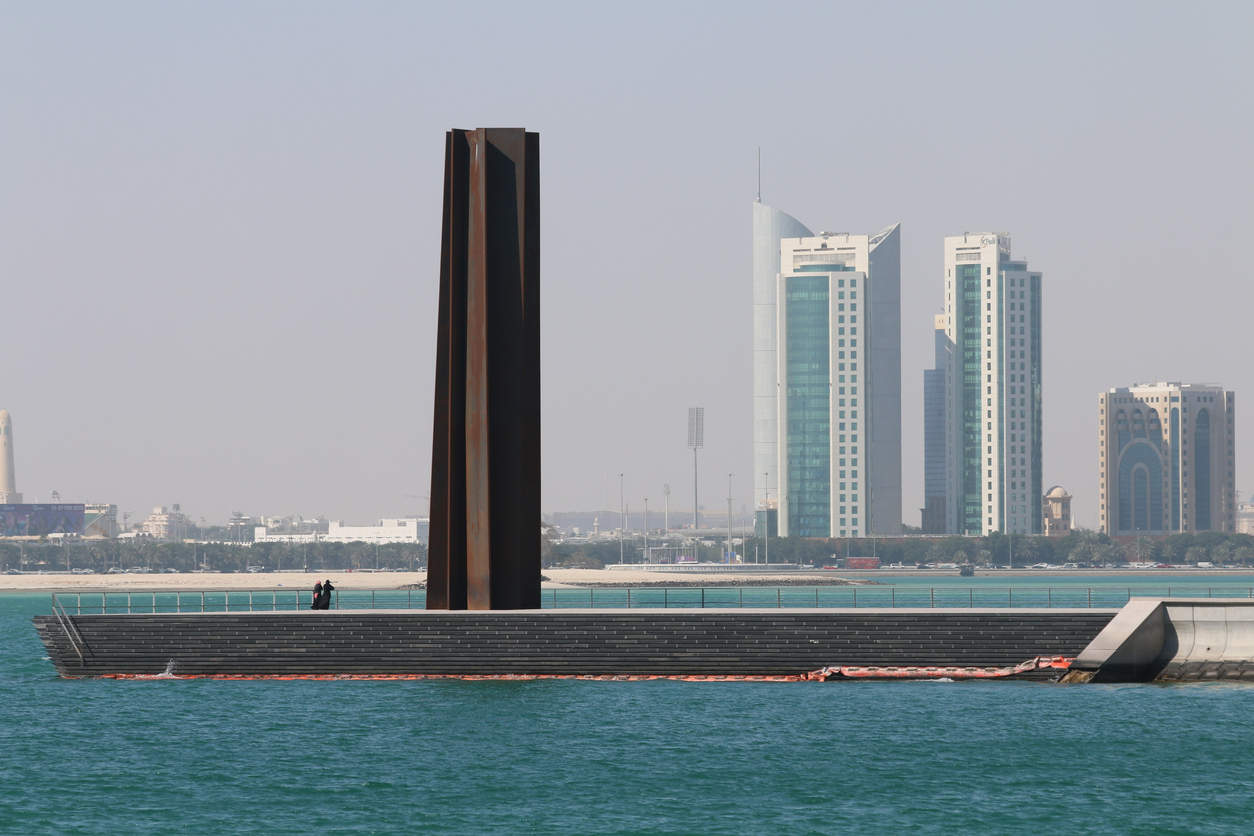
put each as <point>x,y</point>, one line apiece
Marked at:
<point>1172,640</point>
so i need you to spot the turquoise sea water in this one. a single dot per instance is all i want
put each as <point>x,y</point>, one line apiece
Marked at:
<point>895,590</point>
<point>204,757</point>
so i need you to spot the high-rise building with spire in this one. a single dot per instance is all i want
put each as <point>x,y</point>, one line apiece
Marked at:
<point>827,379</point>
<point>770,226</point>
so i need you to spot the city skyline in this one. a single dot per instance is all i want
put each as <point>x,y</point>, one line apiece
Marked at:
<point>221,232</point>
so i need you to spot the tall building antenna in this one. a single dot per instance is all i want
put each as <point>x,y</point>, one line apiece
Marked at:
<point>696,440</point>
<point>759,174</point>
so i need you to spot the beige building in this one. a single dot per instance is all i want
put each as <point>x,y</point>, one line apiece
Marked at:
<point>1056,513</point>
<point>1168,459</point>
<point>1245,518</point>
<point>167,524</point>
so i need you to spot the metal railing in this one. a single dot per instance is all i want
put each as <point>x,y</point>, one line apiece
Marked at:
<point>71,629</point>
<point>177,601</point>
<point>719,597</point>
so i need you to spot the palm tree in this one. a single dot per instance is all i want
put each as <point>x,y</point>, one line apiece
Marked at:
<point>1028,549</point>
<point>1111,553</point>
<point>1143,550</point>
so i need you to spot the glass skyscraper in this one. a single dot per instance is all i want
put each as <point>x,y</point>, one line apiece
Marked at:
<point>835,385</point>
<point>992,388</point>
<point>770,226</point>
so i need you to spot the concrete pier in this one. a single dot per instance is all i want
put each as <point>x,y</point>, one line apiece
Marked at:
<point>748,642</point>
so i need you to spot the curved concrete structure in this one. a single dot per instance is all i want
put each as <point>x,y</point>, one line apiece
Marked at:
<point>1172,639</point>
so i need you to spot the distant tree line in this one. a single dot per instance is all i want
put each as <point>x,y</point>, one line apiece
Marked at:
<point>1088,548</point>
<point>1082,546</point>
<point>103,555</point>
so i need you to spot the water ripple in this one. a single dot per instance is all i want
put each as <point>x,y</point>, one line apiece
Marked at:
<point>657,757</point>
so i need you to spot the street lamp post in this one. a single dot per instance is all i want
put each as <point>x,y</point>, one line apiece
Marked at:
<point>622,519</point>
<point>646,530</point>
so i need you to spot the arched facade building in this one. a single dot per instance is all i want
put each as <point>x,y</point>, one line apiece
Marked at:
<point>1167,459</point>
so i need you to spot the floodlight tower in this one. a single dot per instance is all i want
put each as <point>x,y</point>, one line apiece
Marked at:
<point>696,440</point>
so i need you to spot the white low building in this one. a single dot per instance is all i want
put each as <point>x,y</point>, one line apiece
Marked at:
<point>262,534</point>
<point>403,530</point>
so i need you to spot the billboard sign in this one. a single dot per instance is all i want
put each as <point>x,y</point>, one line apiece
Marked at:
<point>41,520</point>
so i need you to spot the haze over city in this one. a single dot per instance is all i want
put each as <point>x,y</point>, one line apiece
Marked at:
<point>222,226</point>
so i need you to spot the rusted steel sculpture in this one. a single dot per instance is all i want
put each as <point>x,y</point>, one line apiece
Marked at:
<point>485,462</point>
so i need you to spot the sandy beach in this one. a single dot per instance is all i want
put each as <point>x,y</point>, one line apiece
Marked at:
<point>206,581</point>
<point>557,579</point>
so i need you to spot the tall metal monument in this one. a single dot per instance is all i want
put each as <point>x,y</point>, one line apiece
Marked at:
<point>485,460</point>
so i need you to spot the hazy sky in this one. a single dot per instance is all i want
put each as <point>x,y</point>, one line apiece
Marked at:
<point>220,222</point>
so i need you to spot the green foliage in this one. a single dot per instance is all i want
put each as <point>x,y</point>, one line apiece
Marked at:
<point>579,560</point>
<point>601,551</point>
<point>1081,546</point>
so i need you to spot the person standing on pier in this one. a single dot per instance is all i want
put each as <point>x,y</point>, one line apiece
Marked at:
<point>325,600</point>
<point>317,596</point>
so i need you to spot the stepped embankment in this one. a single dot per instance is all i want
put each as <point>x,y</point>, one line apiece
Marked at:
<point>673,642</point>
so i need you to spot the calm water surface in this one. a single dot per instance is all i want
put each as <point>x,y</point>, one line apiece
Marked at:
<point>546,757</point>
